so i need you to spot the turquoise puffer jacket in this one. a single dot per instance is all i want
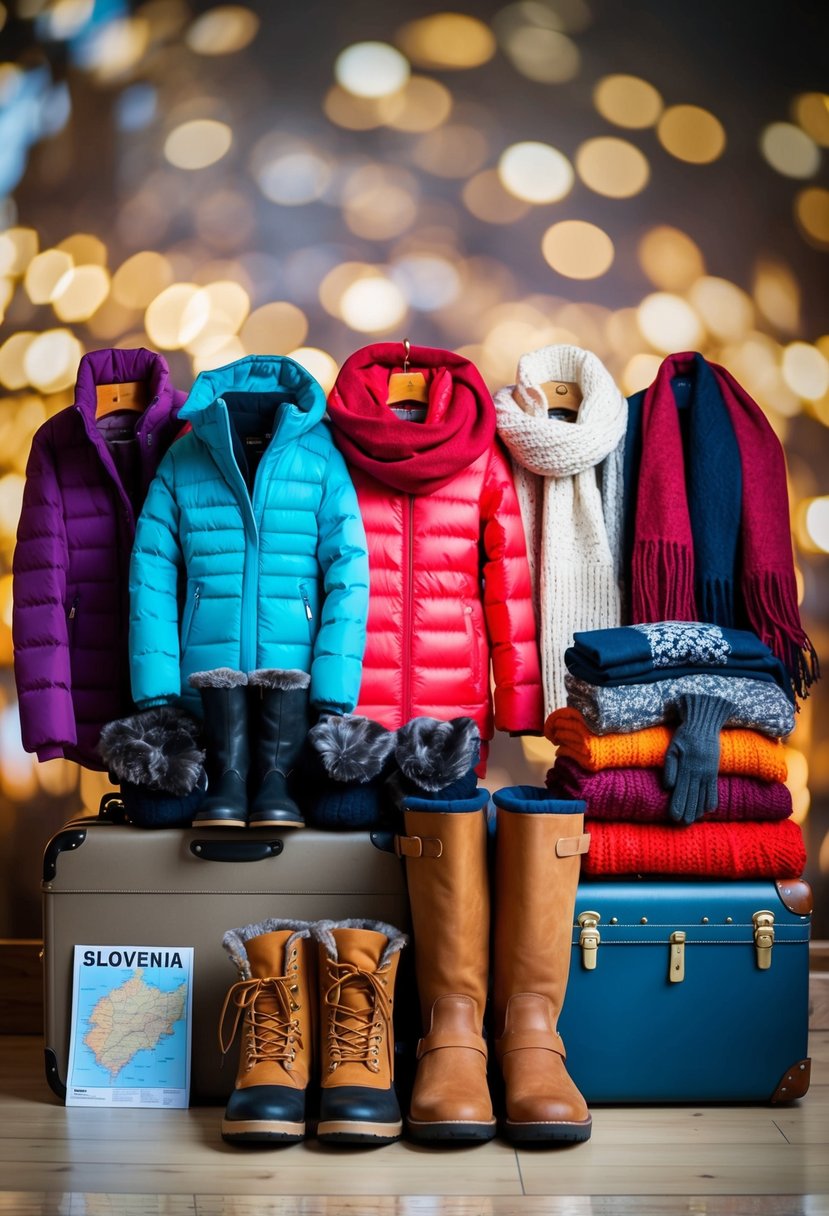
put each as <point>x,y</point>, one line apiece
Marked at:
<point>250,550</point>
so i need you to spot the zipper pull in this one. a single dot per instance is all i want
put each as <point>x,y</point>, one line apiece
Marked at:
<point>197,594</point>
<point>308,611</point>
<point>73,610</point>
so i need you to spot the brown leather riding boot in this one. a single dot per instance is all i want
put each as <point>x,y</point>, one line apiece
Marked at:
<point>446,871</point>
<point>275,1001</point>
<point>357,971</point>
<point>538,856</point>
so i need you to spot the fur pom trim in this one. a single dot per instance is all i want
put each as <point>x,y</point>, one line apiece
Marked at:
<point>287,679</point>
<point>323,932</point>
<point>352,748</point>
<point>433,754</point>
<point>156,748</point>
<point>219,677</point>
<point>234,940</point>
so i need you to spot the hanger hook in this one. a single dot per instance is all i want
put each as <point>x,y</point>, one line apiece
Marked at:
<point>407,346</point>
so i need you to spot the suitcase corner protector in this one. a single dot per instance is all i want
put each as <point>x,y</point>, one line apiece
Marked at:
<point>69,838</point>
<point>794,1083</point>
<point>52,1075</point>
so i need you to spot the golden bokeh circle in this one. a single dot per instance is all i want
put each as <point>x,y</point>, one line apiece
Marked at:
<point>692,134</point>
<point>628,101</point>
<point>577,249</point>
<point>612,167</point>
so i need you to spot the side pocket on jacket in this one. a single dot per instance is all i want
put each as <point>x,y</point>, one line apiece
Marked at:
<point>72,616</point>
<point>306,607</point>
<point>191,609</point>
<point>473,638</point>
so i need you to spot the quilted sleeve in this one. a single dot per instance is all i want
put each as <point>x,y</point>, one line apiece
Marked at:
<point>508,603</point>
<point>40,626</point>
<point>154,579</point>
<point>342,552</point>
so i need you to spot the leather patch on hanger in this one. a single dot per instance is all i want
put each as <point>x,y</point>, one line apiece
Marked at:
<point>131,395</point>
<point>563,398</point>
<point>407,386</point>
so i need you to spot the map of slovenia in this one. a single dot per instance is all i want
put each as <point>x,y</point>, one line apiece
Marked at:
<point>132,1017</point>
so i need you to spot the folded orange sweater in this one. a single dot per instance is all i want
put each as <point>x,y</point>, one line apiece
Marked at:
<point>746,752</point>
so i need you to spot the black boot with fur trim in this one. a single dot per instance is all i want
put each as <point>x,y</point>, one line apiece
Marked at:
<point>156,757</point>
<point>224,700</point>
<point>278,702</point>
<point>347,761</point>
<point>435,759</point>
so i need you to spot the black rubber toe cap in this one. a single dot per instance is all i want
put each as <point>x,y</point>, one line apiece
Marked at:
<point>359,1104</point>
<point>271,1103</point>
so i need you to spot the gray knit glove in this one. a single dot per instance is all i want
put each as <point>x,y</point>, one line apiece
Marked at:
<point>693,757</point>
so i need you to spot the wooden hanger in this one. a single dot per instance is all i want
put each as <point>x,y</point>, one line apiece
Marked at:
<point>563,399</point>
<point>406,385</point>
<point>131,395</point>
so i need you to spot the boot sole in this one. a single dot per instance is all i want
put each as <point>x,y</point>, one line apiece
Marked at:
<point>451,1131</point>
<point>355,1132</point>
<point>262,1131</point>
<point>219,823</point>
<point>271,825</point>
<point>537,1133</point>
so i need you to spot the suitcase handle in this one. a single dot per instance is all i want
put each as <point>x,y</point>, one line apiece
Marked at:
<point>235,850</point>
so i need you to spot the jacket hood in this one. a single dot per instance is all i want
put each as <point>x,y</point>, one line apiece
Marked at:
<point>115,366</point>
<point>257,375</point>
<point>415,457</point>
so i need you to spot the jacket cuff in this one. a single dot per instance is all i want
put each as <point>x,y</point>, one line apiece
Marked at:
<point>154,702</point>
<point>53,751</point>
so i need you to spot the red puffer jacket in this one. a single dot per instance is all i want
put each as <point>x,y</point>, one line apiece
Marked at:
<point>450,586</point>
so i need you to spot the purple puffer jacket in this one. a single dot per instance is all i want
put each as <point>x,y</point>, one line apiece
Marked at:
<point>85,483</point>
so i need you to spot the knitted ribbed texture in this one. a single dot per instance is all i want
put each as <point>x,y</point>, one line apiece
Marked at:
<point>572,523</point>
<point>693,757</point>
<point>703,850</point>
<point>638,794</point>
<point>758,706</point>
<point>744,752</point>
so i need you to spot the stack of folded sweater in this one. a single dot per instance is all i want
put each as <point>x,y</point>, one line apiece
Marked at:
<point>678,724</point>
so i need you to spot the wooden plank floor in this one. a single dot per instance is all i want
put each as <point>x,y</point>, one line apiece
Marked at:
<point>690,1160</point>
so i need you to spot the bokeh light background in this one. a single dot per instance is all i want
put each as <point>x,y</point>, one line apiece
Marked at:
<point>215,181</point>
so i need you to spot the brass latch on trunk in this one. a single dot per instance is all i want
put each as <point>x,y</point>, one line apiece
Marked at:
<point>676,972</point>
<point>763,938</point>
<point>589,938</point>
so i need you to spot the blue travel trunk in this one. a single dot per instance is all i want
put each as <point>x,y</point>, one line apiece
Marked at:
<point>689,991</point>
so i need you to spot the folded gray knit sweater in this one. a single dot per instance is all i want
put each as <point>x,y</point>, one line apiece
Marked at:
<point>758,706</point>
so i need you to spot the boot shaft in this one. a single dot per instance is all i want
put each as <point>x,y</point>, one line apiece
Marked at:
<point>279,715</point>
<point>357,970</point>
<point>225,727</point>
<point>274,1003</point>
<point>446,874</point>
<point>538,851</point>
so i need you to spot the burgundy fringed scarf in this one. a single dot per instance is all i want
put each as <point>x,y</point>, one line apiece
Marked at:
<point>663,562</point>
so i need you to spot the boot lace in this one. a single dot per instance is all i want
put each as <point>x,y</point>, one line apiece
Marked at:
<point>273,1032</point>
<point>355,1035</point>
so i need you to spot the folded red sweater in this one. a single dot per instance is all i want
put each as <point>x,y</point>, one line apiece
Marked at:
<point>637,794</point>
<point>700,850</point>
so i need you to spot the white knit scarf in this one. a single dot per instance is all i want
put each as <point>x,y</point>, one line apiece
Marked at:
<point>572,517</point>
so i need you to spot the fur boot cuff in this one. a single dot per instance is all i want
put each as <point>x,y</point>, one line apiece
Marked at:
<point>219,677</point>
<point>323,932</point>
<point>288,679</point>
<point>234,941</point>
<point>351,748</point>
<point>434,754</point>
<point>157,748</point>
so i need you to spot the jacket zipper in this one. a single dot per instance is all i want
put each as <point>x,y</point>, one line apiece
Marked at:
<point>306,601</point>
<point>408,595</point>
<point>73,612</point>
<point>192,621</point>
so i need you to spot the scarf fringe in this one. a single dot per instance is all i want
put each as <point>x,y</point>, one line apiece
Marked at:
<point>715,597</point>
<point>771,602</point>
<point>662,582</point>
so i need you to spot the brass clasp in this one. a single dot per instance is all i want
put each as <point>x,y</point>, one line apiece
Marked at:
<point>763,937</point>
<point>589,938</point>
<point>676,972</point>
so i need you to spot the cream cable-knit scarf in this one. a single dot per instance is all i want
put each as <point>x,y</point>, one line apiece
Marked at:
<point>572,519</point>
